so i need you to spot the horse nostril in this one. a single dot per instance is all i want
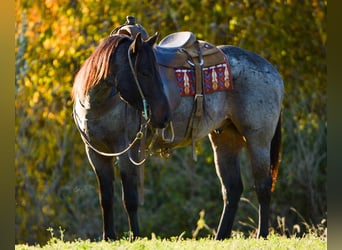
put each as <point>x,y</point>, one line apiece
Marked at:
<point>167,118</point>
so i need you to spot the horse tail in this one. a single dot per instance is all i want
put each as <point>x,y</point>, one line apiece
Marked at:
<point>276,153</point>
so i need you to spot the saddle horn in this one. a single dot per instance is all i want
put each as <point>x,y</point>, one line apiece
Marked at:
<point>131,28</point>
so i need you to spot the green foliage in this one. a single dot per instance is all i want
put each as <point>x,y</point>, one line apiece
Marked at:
<point>55,185</point>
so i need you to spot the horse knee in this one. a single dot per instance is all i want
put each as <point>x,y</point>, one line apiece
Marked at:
<point>130,197</point>
<point>236,190</point>
<point>106,201</point>
<point>106,191</point>
<point>232,194</point>
<point>131,202</point>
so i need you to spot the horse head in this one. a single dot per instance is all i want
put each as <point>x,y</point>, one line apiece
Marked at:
<point>143,88</point>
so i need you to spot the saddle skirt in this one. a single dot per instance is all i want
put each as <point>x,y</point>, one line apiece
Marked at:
<point>180,52</point>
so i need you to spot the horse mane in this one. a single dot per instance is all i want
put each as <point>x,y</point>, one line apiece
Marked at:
<point>96,67</point>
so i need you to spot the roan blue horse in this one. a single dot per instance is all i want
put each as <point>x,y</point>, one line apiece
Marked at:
<point>132,97</point>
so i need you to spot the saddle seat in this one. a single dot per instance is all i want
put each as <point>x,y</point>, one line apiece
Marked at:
<point>176,49</point>
<point>180,39</point>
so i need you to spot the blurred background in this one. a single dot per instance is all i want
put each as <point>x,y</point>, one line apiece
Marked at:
<point>55,187</point>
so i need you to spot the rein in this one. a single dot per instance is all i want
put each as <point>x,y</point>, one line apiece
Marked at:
<point>145,114</point>
<point>139,135</point>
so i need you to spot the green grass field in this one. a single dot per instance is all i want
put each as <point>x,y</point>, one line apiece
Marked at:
<point>273,242</point>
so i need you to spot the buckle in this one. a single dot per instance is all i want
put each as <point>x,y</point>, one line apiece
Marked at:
<point>198,95</point>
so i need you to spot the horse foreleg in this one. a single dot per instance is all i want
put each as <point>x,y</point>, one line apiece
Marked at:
<point>226,147</point>
<point>130,197</point>
<point>103,167</point>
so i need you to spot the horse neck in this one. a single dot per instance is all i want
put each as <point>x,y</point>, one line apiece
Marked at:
<point>98,95</point>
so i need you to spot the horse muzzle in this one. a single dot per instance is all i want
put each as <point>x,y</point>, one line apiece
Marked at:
<point>160,117</point>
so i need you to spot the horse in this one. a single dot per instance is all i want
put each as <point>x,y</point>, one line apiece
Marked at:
<point>109,94</point>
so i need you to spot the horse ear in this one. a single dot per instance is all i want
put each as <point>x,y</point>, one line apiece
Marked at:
<point>137,43</point>
<point>153,39</point>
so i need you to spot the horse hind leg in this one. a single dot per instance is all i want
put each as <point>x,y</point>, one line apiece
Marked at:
<point>227,146</point>
<point>103,167</point>
<point>264,152</point>
<point>260,161</point>
<point>263,183</point>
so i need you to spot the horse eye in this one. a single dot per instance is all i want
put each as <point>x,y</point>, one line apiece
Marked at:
<point>145,73</point>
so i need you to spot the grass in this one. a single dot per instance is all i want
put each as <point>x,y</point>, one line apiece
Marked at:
<point>273,242</point>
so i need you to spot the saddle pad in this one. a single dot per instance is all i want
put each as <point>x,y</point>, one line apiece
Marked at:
<point>215,78</point>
